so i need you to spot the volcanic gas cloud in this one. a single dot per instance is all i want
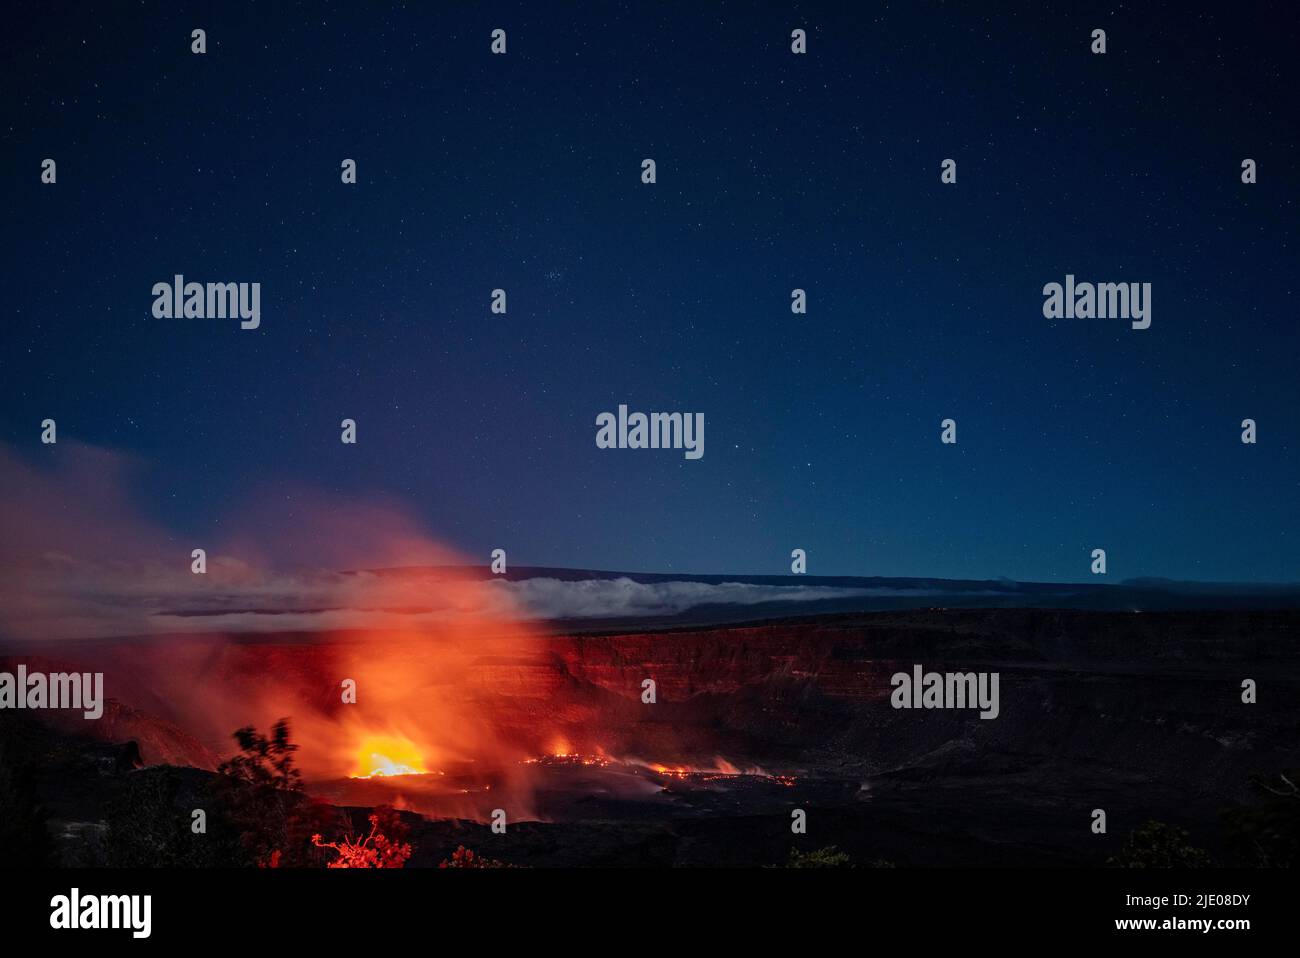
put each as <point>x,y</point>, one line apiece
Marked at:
<point>343,617</point>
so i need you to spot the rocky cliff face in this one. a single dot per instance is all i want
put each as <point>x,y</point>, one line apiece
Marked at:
<point>1137,690</point>
<point>1137,713</point>
<point>1082,683</point>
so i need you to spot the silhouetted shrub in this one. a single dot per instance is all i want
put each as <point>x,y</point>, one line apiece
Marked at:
<point>150,824</point>
<point>24,838</point>
<point>260,792</point>
<point>1158,845</point>
<point>828,857</point>
<point>1268,835</point>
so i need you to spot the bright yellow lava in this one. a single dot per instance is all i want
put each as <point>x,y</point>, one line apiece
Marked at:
<point>382,755</point>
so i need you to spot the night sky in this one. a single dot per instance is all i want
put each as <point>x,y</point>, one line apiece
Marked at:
<point>775,171</point>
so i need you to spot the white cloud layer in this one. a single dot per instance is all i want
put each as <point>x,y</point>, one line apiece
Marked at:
<point>550,598</point>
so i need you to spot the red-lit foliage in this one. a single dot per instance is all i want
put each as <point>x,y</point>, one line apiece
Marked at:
<point>382,848</point>
<point>463,857</point>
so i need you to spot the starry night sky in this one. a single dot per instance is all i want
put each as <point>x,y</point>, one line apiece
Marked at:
<point>775,171</point>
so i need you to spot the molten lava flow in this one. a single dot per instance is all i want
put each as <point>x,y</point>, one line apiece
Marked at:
<point>676,771</point>
<point>569,758</point>
<point>380,756</point>
<point>721,771</point>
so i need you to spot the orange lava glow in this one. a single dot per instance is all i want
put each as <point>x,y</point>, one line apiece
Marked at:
<point>677,771</point>
<point>380,756</point>
<point>569,758</point>
<point>721,771</point>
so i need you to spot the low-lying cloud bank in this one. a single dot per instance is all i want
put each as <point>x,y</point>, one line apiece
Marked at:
<point>80,558</point>
<point>549,598</point>
<point>65,598</point>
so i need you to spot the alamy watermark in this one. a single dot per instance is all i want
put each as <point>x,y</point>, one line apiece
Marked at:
<point>946,690</point>
<point>658,430</point>
<point>1130,301</point>
<point>76,911</point>
<point>182,300</point>
<point>55,690</point>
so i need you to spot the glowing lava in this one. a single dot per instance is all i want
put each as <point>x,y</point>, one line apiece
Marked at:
<point>380,756</point>
<point>676,771</point>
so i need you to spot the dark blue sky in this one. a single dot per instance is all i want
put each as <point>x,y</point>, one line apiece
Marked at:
<point>775,171</point>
